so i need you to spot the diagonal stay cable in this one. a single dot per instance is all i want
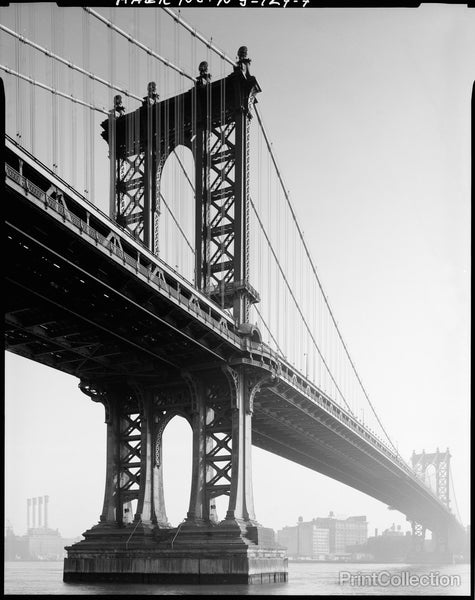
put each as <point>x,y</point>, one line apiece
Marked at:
<point>289,287</point>
<point>269,331</point>
<point>176,223</point>
<point>183,169</point>
<point>453,491</point>
<point>198,36</point>
<point>68,63</point>
<point>220,53</point>
<point>307,252</point>
<point>255,307</point>
<point>292,294</point>
<point>52,90</point>
<point>132,40</point>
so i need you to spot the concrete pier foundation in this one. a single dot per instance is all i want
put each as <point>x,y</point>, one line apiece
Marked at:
<point>143,547</point>
<point>204,556</point>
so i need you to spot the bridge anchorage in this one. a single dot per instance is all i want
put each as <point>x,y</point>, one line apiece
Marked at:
<point>217,397</point>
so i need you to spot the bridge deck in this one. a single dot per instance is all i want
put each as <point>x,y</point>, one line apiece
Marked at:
<point>85,298</point>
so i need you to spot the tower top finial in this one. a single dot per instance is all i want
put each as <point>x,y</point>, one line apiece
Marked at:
<point>242,52</point>
<point>204,77</point>
<point>118,108</point>
<point>243,61</point>
<point>152,96</point>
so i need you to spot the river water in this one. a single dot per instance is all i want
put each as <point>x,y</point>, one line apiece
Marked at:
<point>310,579</point>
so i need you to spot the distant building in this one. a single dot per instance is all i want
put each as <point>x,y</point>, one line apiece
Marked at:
<point>45,544</point>
<point>394,545</point>
<point>394,531</point>
<point>16,548</point>
<point>38,544</point>
<point>41,542</point>
<point>324,538</point>
<point>344,532</point>
<point>287,538</point>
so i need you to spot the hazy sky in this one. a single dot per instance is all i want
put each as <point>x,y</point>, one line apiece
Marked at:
<point>369,114</point>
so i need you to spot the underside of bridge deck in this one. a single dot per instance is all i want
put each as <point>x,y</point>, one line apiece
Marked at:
<point>71,304</point>
<point>69,307</point>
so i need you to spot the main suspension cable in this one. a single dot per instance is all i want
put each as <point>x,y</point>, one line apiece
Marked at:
<point>269,331</point>
<point>307,252</point>
<point>289,287</point>
<point>453,492</point>
<point>220,53</point>
<point>68,63</point>
<point>128,37</point>
<point>198,35</point>
<point>52,90</point>
<point>176,222</point>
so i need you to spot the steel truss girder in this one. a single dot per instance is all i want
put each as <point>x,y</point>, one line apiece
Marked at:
<point>218,448</point>
<point>54,345</point>
<point>418,536</point>
<point>131,194</point>
<point>217,401</point>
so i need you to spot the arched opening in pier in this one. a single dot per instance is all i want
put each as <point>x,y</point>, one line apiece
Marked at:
<point>128,511</point>
<point>176,207</point>
<point>221,504</point>
<point>177,447</point>
<point>430,477</point>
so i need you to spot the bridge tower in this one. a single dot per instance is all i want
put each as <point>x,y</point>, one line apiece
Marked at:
<point>212,119</point>
<point>133,540</point>
<point>440,462</point>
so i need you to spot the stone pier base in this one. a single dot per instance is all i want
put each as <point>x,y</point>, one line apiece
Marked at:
<point>183,569</point>
<point>199,557</point>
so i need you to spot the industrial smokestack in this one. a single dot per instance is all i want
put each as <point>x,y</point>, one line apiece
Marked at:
<point>28,510</point>
<point>46,511</point>
<point>34,500</point>
<point>40,511</point>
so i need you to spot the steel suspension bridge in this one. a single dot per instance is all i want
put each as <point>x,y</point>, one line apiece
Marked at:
<point>157,256</point>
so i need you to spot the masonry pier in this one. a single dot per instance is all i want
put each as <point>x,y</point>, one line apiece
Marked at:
<point>218,403</point>
<point>133,540</point>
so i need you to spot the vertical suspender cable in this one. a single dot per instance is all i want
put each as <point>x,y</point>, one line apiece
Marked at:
<point>220,130</point>
<point>32,26</point>
<point>276,227</point>
<point>62,108</point>
<point>91,114</point>
<point>112,126</point>
<point>18,102</point>
<point>54,85</point>
<point>453,493</point>
<point>207,182</point>
<point>86,83</point>
<point>158,79</point>
<point>176,201</point>
<point>211,46</point>
<point>301,278</point>
<point>73,132</point>
<point>179,151</point>
<point>166,228</point>
<point>269,268</point>
<point>177,179</point>
<point>318,280</point>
